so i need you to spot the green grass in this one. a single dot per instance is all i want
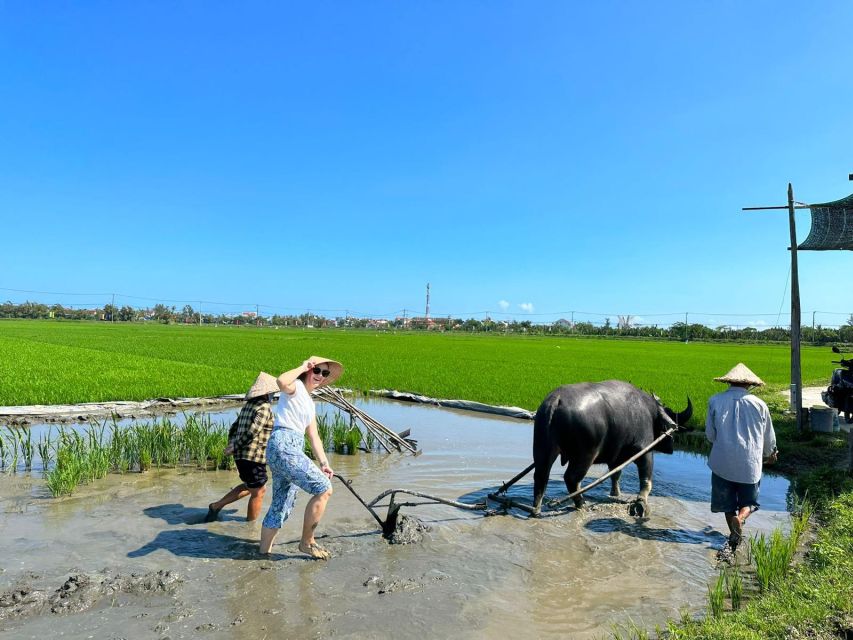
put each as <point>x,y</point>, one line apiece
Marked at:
<point>83,456</point>
<point>813,599</point>
<point>50,362</point>
<point>339,435</point>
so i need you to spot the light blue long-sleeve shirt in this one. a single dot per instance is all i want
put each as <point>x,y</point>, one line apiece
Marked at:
<point>740,429</point>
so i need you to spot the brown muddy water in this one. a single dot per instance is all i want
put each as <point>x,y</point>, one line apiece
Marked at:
<point>471,577</point>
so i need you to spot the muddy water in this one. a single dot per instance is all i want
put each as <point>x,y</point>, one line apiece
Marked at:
<point>471,577</point>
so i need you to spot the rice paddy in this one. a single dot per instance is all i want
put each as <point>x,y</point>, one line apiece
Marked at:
<point>72,456</point>
<point>50,362</point>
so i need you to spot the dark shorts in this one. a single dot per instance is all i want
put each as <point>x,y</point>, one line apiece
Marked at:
<point>254,474</point>
<point>729,497</point>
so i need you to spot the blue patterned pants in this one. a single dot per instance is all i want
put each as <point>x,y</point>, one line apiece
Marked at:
<point>290,468</point>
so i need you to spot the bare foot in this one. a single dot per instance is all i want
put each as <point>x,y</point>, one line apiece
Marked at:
<point>315,551</point>
<point>212,514</point>
<point>737,533</point>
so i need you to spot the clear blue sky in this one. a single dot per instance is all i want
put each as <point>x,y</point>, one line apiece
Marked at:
<point>338,156</point>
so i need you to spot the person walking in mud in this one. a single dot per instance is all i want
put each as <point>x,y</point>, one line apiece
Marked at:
<point>295,415</point>
<point>247,442</point>
<point>740,430</point>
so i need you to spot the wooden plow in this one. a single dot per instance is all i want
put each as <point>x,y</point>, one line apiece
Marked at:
<point>556,507</point>
<point>389,524</point>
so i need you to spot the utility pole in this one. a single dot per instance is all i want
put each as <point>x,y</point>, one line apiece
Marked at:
<point>113,312</point>
<point>427,304</point>
<point>796,371</point>
<point>573,322</point>
<point>199,314</point>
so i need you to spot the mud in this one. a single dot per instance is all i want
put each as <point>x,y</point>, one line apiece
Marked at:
<point>409,530</point>
<point>470,576</point>
<point>82,591</point>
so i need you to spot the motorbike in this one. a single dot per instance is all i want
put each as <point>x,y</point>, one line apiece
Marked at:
<point>839,393</point>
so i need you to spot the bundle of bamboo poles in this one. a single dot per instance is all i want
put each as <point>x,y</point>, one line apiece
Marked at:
<point>385,436</point>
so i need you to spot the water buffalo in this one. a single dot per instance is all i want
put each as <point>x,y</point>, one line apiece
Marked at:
<point>600,423</point>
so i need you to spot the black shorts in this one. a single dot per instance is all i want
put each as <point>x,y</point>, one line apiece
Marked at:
<point>254,474</point>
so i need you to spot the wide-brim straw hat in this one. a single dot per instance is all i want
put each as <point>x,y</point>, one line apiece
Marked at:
<point>740,374</point>
<point>335,367</point>
<point>264,384</point>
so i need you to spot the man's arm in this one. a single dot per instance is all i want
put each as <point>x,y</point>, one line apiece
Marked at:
<point>710,426</point>
<point>770,452</point>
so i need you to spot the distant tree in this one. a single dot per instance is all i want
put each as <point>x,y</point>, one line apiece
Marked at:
<point>126,313</point>
<point>188,314</point>
<point>110,312</point>
<point>162,313</point>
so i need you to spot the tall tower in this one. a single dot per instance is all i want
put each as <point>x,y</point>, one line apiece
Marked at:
<point>426,316</point>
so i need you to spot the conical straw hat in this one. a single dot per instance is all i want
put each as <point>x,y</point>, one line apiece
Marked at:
<point>740,374</point>
<point>335,367</point>
<point>263,385</point>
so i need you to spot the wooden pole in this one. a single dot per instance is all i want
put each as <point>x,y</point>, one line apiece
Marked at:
<point>595,483</point>
<point>796,371</point>
<point>348,485</point>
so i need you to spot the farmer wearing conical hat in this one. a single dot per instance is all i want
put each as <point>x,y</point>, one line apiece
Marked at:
<point>742,439</point>
<point>247,442</point>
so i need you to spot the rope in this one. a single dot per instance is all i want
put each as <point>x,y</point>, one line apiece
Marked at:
<point>497,497</point>
<point>595,483</point>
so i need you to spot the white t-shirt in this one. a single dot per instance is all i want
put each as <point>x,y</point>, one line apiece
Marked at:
<point>294,412</point>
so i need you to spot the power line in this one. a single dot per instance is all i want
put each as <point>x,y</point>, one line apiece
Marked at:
<point>289,310</point>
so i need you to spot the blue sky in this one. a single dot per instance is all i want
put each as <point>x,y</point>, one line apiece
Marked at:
<point>525,159</point>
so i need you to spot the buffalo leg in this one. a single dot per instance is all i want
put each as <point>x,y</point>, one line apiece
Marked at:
<point>575,473</point>
<point>614,485</point>
<point>540,477</point>
<point>645,467</point>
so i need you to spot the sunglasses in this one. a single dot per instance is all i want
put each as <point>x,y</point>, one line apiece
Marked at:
<point>321,372</point>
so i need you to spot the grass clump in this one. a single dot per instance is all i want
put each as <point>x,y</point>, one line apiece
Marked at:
<point>88,455</point>
<point>717,594</point>
<point>342,436</point>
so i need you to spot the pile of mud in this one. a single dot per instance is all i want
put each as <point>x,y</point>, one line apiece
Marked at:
<point>408,530</point>
<point>82,591</point>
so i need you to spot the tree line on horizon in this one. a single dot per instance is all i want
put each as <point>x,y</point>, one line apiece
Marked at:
<point>624,326</point>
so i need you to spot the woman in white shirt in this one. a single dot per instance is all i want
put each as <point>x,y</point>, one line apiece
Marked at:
<point>295,416</point>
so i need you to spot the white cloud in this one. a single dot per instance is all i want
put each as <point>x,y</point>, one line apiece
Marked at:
<point>527,307</point>
<point>504,305</point>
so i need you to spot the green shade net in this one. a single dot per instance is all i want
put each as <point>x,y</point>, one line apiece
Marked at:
<point>832,226</point>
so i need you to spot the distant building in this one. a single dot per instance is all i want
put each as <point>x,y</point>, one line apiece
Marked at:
<point>428,323</point>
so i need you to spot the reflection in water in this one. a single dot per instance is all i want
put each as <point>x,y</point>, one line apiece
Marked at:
<point>473,576</point>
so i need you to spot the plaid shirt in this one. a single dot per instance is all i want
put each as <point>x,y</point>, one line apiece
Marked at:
<point>251,430</point>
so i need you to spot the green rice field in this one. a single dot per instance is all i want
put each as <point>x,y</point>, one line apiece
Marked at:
<point>55,362</point>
